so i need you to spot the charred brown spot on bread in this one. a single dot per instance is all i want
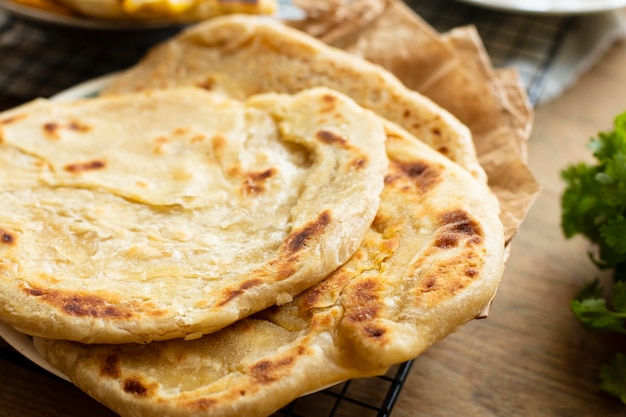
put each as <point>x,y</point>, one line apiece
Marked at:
<point>12,119</point>
<point>359,162</point>
<point>365,291</point>
<point>266,371</point>
<point>51,130</point>
<point>298,239</point>
<point>198,138</point>
<point>458,225</point>
<point>77,126</point>
<point>80,305</point>
<point>218,142</point>
<point>410,175</point>
<point>85,166</point>
<point>6,237</point>
<point>374,331</point>
<point>312,297</point>
<point>180,131</point>
<point>424,175</point>
<point>447,240</point>
<point>254,181</point>
<point>443,150</point>
<point>135,386</point>
<point>328,103</point>
<point>329,98</point>
<point>471,272</point>
<point>461,222</point>
<point>282,268</point>
<point>231,294</point>
<point>429,283</point>
<point>327,291</point>
<point>201,404</point>
<point>91,305</point>
<point>261,371</point>
<point>159,145</point>
<point>330,138</point>
<point>110,366</point>
<point>207,84</point>
<point>364,313</point>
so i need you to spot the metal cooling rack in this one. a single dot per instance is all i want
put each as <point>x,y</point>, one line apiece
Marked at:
<point>38,61</point>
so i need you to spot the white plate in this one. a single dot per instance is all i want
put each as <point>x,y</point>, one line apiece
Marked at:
<point>19,341</point>
<point>286,11</point>
<point>24,345</point>
<point>550,6</point>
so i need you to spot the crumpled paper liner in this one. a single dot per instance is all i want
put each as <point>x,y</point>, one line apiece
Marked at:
<point>454,70</point>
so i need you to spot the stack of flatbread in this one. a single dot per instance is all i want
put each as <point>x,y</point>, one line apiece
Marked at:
<point>245,216</point>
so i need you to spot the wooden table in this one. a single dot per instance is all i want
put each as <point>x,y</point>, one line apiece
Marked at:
<point>530,357</point>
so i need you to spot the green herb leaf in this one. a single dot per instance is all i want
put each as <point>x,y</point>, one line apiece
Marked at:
<point>594,206</point>
<point>618,299</point>
<point>613,377</point>
<point>591,309</point>
<point>594,201</point>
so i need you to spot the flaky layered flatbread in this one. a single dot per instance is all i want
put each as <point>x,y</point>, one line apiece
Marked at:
<point>242,55</point>
<point>430,262</point>
<point>174,213</point>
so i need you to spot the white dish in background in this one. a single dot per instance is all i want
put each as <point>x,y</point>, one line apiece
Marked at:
<point>86,89</point>
<point>24,345</point>
<point>560,7</point>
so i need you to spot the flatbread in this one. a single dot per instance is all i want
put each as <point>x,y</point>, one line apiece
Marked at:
<point>241,55</point>
<point>171,214</point>
<point>430,262</point>
<point>178,10</point>
<point>48,5</point>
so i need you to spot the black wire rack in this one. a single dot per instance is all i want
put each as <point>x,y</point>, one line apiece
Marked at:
<point>33,63</point>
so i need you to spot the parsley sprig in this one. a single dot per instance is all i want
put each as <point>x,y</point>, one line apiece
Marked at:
<point>594,206</point>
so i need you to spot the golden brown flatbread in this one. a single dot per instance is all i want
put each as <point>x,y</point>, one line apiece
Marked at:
<point>241,55</point>
<point>176,10</point>
<point>174,213</point>
<point>47,5</point>
<point>430,262</point>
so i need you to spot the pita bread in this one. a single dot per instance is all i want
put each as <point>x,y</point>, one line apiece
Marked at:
<point>170,214</point>
<point>179,10</point>
<point>430,262</point>
<point>241,55</point>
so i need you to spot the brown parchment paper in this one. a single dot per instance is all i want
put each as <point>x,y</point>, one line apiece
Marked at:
<point>455,71</point>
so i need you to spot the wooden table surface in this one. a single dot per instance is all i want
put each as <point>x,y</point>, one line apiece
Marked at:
<point>530,357</point>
